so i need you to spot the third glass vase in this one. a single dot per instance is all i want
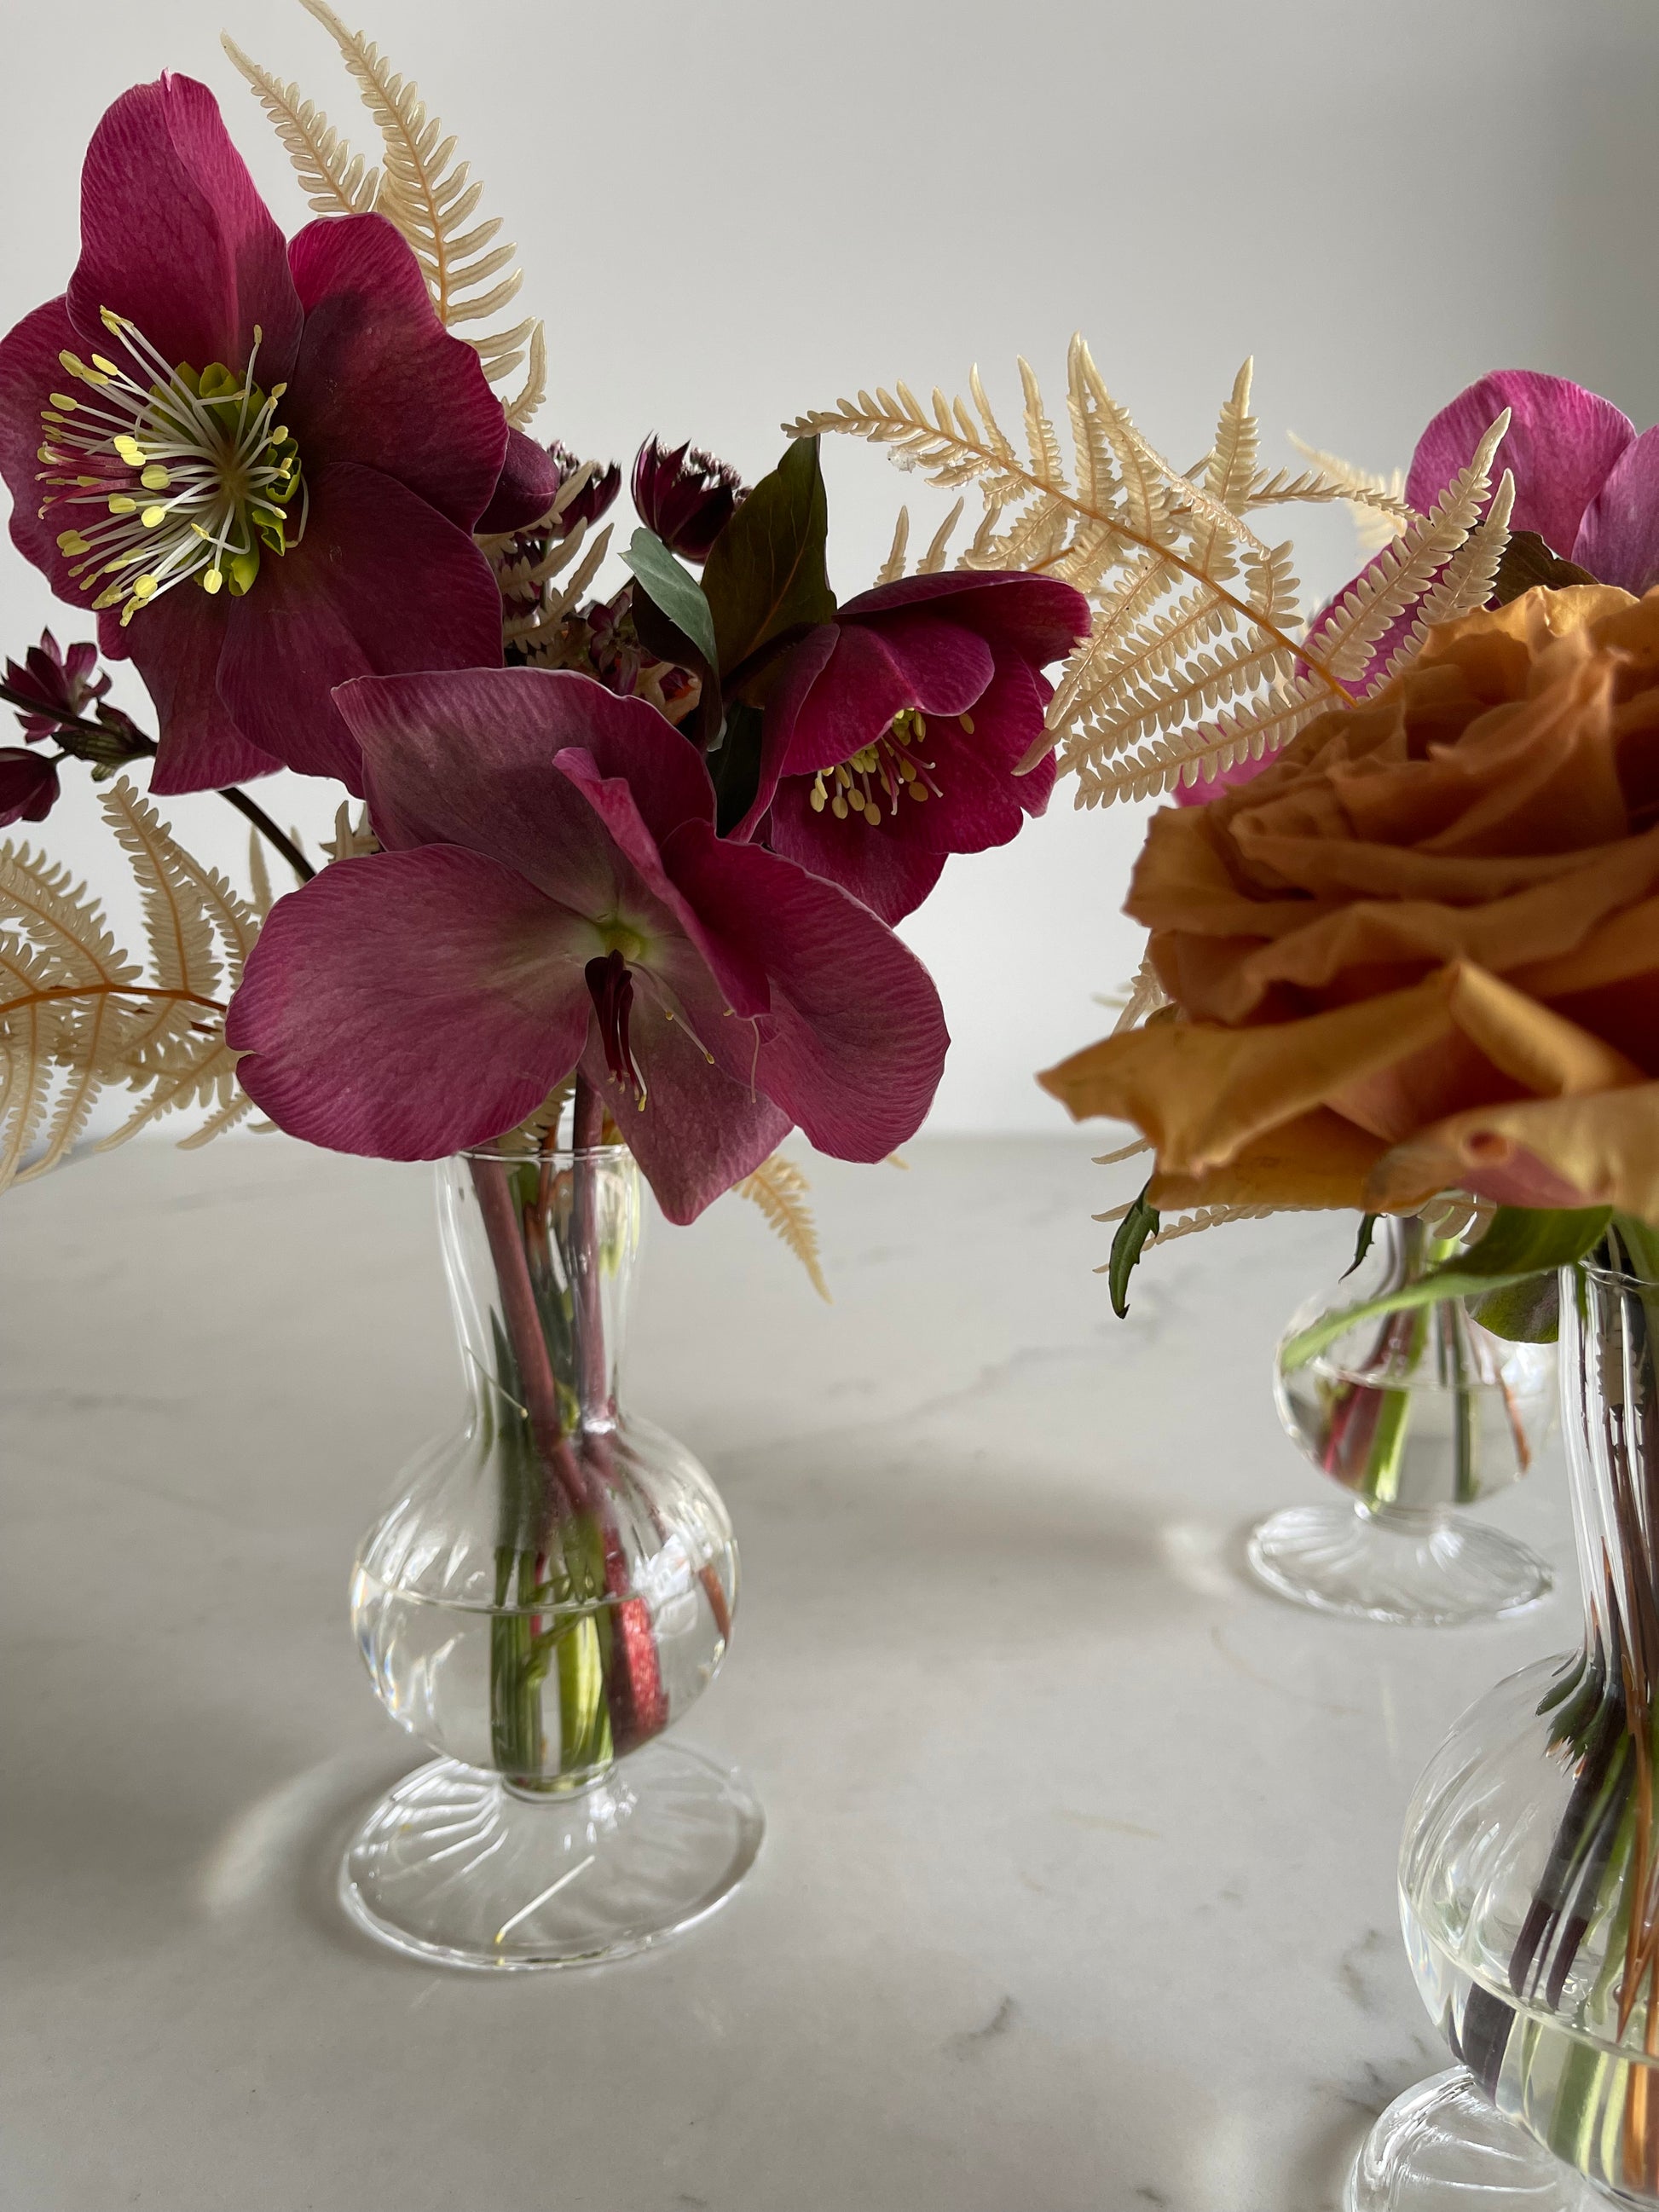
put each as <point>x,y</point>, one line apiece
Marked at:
<point>1418,1415</point>
<point>549,1591</point>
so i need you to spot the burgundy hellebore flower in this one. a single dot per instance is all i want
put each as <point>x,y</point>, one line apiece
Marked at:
<point>685,496</point>
<point>64,685</point>
<point>554,898</point>
<point>1584,481</point>
<point>261,463</point>
<point>28,786</point>
<point>892,737</point>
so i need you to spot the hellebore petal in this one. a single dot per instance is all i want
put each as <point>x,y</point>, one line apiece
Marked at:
<point>1561,443</point>
<point>173,234</point>
<point>526,488</point>
<point>29,373</point>
<point>1618,539</point>
<point>335,542</point>
<point>28,786</point>
<point>855,1043</point>
<point>871,673</point>
<point>467,757</point>
<point>379,581</point>
<point>903,723</point>
<point>699,1131</point>
<point>890,875</point>
<point>722,992</point>
<point>176,648</point>
<point>1035,616</point>
<point>410,1004</point>
<point>379,381</point>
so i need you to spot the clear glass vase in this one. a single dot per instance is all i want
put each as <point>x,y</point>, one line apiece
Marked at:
<point>550,1588</point>
<point>1529,1872</point>
<point>1417,1415</point>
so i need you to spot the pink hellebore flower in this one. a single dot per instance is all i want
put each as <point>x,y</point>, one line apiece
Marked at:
<point>892,739</point>
<point>1584,481</point>
<point>261,463</point>
<point>554,898</point>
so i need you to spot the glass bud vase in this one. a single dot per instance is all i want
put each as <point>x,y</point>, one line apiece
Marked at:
<point>1529,1872</point>
<point>549,1591</point>
<point>1417,1415</point>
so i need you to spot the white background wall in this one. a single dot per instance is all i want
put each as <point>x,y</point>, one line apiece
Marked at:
<point>731,210</point>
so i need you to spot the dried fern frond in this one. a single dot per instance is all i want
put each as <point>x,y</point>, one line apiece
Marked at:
<point>1197,655</point>
<point>78,1017</point>
<point>422,188</point>
<point>779,1189</point>
<point>1377,502</point>
<point>334,180</point>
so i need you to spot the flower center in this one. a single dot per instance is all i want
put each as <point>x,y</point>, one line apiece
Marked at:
<point>610,987</point>
<point>887,769</point>
<point>188,474</point>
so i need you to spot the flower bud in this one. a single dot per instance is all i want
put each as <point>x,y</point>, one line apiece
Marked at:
<point>685,495</point>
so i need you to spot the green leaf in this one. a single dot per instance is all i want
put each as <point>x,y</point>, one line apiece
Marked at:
<point>674,590</point>
<point>765,575</point>
<point>1522,1244</point>
<point>1140,1223</point>
<point>1362,1242</point>
<point>734,764</point>
<point>1528,1312</point>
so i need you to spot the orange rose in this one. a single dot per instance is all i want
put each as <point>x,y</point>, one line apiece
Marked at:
<point>1420,950</point>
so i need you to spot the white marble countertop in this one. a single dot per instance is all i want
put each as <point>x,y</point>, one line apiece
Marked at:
<point>1077,1890</point>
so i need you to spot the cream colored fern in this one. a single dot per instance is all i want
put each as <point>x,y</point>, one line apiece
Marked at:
<point>422,189</point>
<point>1197,655</point>
<point>335,180</point>
<point>78,1017</point>
<point>1377,502</point>
<point>779,1189</point>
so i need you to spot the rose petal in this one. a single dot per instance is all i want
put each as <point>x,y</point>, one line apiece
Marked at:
<point>1619,540</point>
<point>526,488</point>
<point>174,236</point>
<point>857,1037</point>
<point>380,381</point>
<point>175,644</point>
<point>380,582</point>
<point>1560,445</point>
<point>410,1004</point>
<point>700,1130</point>
<point>1570,1151</point>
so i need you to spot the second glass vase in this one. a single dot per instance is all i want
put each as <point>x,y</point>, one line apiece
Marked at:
<point>551,1588</point>
<point>1418,1415</point>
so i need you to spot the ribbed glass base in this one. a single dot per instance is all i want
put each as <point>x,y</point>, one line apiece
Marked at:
<point>1443,2148</point>
<point>1413,1568</point>
<point>454,1866</point>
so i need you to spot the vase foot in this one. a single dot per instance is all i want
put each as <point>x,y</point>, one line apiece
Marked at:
<point>453,1868</point>
<point>1444,2147</point>
<point>1339,1559</point>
